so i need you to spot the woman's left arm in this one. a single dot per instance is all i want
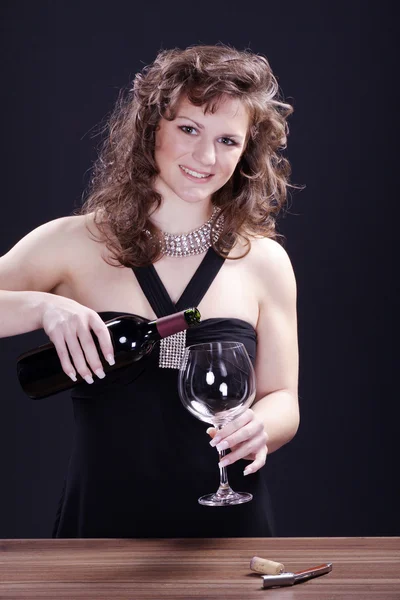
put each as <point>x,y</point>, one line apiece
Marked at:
<point>274,417</point>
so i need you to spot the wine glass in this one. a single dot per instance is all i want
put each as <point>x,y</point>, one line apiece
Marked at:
<point>216,384</point>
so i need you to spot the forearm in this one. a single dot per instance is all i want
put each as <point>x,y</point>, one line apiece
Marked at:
<point>280,414</point>
<point>21,311</point>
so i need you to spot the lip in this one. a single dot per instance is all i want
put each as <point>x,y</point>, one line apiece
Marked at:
<point>196,170</point>
<point>199,181</point>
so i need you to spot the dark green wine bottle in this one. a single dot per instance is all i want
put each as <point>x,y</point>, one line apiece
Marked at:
<point>39,370</point>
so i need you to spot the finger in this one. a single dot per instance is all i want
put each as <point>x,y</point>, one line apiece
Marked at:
<point>244,450</point>
<point>256,445</point>
<point>78,357</point>
<point>233,426</point>
<point>102,333</point>
<point>250,457</point>
<point>259,462</point>
<point>211,431</point>
<point>248,432</point>
<point>63,354</point>
<point>255,465</point>
<point>90,353</point>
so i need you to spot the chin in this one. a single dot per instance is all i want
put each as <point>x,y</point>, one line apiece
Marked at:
<point>191,198</point>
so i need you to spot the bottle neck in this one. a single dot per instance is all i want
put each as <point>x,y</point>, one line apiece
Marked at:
<point>166,326</point>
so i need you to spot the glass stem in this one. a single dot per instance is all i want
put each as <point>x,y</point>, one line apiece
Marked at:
<point>223,474</point>
<point>224,487</point>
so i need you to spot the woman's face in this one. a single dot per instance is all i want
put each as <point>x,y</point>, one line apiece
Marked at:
<point>197,153</point>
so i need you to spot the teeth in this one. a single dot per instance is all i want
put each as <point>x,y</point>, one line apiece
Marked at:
<point>193,173</point>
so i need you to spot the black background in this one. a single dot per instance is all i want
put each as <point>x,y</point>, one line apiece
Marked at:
<point>63,64</point>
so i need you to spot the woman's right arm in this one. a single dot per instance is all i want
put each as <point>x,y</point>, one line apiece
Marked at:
<point>36,265</point>
<point>21,311</point>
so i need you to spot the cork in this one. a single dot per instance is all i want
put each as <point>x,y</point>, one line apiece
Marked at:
<point>265,566</point>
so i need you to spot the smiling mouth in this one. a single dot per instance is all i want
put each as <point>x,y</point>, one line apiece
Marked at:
<point>195,173</point>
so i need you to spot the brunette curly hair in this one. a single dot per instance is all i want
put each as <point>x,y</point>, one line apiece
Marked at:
<point>121,193</point>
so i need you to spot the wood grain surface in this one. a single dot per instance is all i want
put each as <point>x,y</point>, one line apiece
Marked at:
<point>132,569</point>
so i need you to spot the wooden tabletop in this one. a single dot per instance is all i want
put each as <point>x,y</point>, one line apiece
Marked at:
<point>363,568</point>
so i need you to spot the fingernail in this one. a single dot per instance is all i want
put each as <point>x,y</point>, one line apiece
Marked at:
<point>73,377</point>
<point>222,446</point>
<point>100,373</point>
<point>215,441</point>
<point>88,379</point>
<point>223,463</point>
<point>209,430</point>
<point>247,471</point>
<point>110,359</point>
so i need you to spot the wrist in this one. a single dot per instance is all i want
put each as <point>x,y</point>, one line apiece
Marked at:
<point>39,303</point>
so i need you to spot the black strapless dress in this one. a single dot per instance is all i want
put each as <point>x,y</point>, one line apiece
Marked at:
<point>139,459</point>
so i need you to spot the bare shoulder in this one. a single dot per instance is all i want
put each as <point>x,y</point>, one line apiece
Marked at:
<point>39,260</point>
<point>71,227</point>
<point>70,234</point>
<point>81,244</point>
<point>85,240</point>
<point>269,253</point>
<point>273,270</point>
<point>62,238</point>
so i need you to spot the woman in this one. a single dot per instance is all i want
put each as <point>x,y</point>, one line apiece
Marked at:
<point>196,141</point>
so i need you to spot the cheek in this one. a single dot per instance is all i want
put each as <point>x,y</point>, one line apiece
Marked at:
<point>169,145</point>
<point>231,163</point>
<point>161,148</point>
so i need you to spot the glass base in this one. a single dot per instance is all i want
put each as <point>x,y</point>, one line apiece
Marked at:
<point>227,498</point>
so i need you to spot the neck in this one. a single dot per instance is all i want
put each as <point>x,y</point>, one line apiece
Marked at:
<point>177,216</point>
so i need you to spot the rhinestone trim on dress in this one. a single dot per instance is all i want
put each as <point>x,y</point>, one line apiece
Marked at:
<point>172,350</point>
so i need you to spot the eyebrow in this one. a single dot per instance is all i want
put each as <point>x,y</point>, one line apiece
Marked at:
<point>200,126</point>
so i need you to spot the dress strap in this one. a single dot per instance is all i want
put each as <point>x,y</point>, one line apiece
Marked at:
<point>198,286</point>
<point>158,297</point>
<point>154,290</point>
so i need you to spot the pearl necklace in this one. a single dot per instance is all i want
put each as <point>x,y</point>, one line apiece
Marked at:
<point>193,242</point>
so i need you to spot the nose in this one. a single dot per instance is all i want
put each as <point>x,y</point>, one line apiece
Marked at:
<point>204,152</point>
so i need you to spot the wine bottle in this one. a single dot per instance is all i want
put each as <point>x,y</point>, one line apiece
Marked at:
<point>39,370</point>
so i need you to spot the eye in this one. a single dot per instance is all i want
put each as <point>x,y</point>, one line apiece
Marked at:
<point>188,129</point>
<point>228,142</point>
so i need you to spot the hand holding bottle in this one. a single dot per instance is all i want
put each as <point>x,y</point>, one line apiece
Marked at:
<point>69,324</point>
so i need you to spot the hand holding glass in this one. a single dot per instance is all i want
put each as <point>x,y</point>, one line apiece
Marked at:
<point>216,384</point>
